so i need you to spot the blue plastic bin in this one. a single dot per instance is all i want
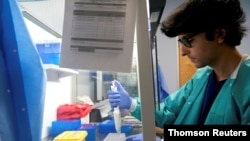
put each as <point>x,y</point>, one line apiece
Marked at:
<point>91,129</point>
<point>60,126</point>
<point>49,52</point>
<point>50,58</point>
<point>48,47</point>
<point>108,126</point>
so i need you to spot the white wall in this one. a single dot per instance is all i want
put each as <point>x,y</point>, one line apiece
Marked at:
<point>168,51</point>
<point>57,93</point>
<point>244,47</point>
<point>85,87</point>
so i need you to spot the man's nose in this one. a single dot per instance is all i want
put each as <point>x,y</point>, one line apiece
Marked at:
<point>184,50</point>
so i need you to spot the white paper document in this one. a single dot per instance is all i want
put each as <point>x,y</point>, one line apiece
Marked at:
<point>98,34</point>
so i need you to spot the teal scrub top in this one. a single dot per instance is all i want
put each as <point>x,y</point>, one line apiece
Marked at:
<point>231,106</point>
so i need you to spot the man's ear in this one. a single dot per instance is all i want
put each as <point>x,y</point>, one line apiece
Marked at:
<point>220,35</point>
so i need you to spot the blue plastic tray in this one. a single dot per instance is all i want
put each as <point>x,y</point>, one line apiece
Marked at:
<point>108,126</point>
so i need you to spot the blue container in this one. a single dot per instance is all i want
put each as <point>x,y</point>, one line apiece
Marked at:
<point>48,47</point>
<point>60,126</point>
<point>91,129</point>
<point>108,126</point>
<point>49,52</point>
<point>50,58</point>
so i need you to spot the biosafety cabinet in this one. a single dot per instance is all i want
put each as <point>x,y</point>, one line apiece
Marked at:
<point>85,44</point>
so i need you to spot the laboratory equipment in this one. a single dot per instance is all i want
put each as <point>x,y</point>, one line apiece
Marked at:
<point>117,118</point>
<point>117,113</point>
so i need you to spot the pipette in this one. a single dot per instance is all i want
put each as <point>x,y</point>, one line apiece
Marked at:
<point>116,113</point>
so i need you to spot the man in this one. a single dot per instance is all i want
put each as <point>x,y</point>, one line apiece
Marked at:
<point>219,91</point>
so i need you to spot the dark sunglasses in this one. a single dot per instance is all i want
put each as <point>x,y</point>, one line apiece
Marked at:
<point>185,40</point>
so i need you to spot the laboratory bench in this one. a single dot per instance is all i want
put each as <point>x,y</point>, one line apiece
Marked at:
<point>130,126</point>
<point>101,137</point>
